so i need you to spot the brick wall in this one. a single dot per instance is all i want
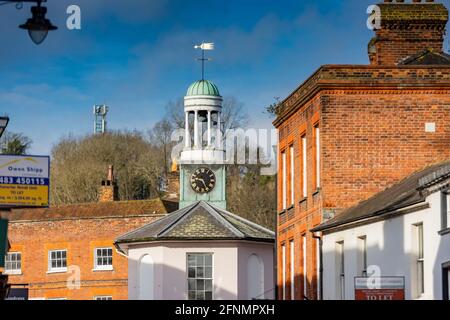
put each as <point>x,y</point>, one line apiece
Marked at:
<point>393,47</point>
<point>407,29</point>
<point>80,237</point>
<point>374,138</point>
<point>372,123</point>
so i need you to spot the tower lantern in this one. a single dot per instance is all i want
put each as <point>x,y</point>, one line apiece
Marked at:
<point>202,169</point>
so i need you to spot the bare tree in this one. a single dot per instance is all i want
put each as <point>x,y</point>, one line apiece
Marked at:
<point>251,195</point>
<point>80,164</point>
<point>160,136</point>
<point>15,143</point>
<point>275,108</point>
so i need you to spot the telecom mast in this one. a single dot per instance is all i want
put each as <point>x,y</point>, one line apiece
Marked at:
<point>100,112</point>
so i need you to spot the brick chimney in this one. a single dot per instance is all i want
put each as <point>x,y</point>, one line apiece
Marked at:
<point>108,190</point>
<point>172,183</point>
<point>407,29</point>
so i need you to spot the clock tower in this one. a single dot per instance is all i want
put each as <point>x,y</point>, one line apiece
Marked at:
<point>202,161</point>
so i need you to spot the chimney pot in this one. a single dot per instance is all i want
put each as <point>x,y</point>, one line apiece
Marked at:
<point>111,173</point>
<point>108,189</point>
<point>407,29</point>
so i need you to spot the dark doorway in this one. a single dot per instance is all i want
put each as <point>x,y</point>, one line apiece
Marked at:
<point>445,280</point>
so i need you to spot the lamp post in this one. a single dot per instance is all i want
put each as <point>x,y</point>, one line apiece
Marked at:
<point>3,124</point>
<point>38,26</point>
<point>3,231</point>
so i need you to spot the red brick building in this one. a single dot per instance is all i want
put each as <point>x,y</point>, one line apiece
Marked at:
<point>350,131</point>
<point>67,252</point>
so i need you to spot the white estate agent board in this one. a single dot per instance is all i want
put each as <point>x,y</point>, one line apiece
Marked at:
<point>24,181</point>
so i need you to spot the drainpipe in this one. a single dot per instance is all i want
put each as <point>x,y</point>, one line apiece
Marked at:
<point>320,264</point>
<point>275,264</point>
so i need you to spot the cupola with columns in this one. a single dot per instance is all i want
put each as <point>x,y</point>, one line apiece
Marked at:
<point>203,132</point>
<point>202,170</point>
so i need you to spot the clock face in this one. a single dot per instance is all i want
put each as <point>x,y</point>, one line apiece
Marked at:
<point>203,180</point>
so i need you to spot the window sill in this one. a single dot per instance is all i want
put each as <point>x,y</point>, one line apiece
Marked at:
<point>13,273</point>
<point>444,232</point>
<point>290,207</point>
<point>303,200</point>
<point>316,192</point>
<point>57,271</point>
<point>102,269</point>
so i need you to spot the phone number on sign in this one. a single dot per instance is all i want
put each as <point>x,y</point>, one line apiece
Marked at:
<point>20,180</point>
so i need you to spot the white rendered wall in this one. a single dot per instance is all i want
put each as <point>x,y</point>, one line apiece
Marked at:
<point>265,252</point>
<point>390,245</point>
<point>170,274</point>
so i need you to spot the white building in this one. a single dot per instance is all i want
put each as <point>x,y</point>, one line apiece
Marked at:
<point>199,252</point>
<point>403,231</point>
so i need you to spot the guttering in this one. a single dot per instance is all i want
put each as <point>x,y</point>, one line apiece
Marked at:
<point>374,217</point>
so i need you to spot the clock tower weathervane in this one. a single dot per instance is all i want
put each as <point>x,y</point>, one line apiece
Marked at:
<point>202,168</point>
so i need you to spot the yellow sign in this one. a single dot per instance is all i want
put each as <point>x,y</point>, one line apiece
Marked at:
<point>25,195</point>
<point>24,181</point>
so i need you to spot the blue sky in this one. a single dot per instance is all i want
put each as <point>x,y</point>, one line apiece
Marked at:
<point>137,55</point>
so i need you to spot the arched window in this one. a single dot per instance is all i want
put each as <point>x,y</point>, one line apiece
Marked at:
<point>146,278</point>
<point>255,278</point>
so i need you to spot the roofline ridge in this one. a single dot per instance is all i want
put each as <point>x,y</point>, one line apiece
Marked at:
<point>145,225</point>
<point>66,205</point>
<point>253,224</point>
<point>403,195</point>
<point>380,213</point>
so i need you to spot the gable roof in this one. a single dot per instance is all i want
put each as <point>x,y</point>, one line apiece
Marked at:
<point>402,194</point>
<point>199,221</point>
<point>427,57</point>
<point>93,210</point>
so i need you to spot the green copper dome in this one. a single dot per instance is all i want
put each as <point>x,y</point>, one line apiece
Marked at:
<point>203,88</point>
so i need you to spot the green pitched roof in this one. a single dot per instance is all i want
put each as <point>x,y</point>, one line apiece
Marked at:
<point>203,88</point>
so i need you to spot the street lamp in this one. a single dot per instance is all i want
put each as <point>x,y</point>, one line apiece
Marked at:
<point>38,26</point>
<point>3,231</point>
<point>3,124</point>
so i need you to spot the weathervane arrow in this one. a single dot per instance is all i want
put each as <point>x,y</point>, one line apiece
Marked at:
<point>204,46</point>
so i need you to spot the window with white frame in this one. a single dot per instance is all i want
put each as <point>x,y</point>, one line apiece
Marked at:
<point>103,298</point>
<point>447,213</point>
<point>283,270</point>
<point>200,276</point>
<point>291,165</point>
<point>57,260</point>
<point>317,155</point>
<point>420,287</point>
<point>340,270</point>
<point>447,224</point>
<point>304,166</point>
<point>13,263</point>
<point>318,268</point>
<point>362,256</point>
<point>103,259</point>
<point>284,180</point>
<point>291,269</point>
<point>305,275</point>
<point>445,210</point>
